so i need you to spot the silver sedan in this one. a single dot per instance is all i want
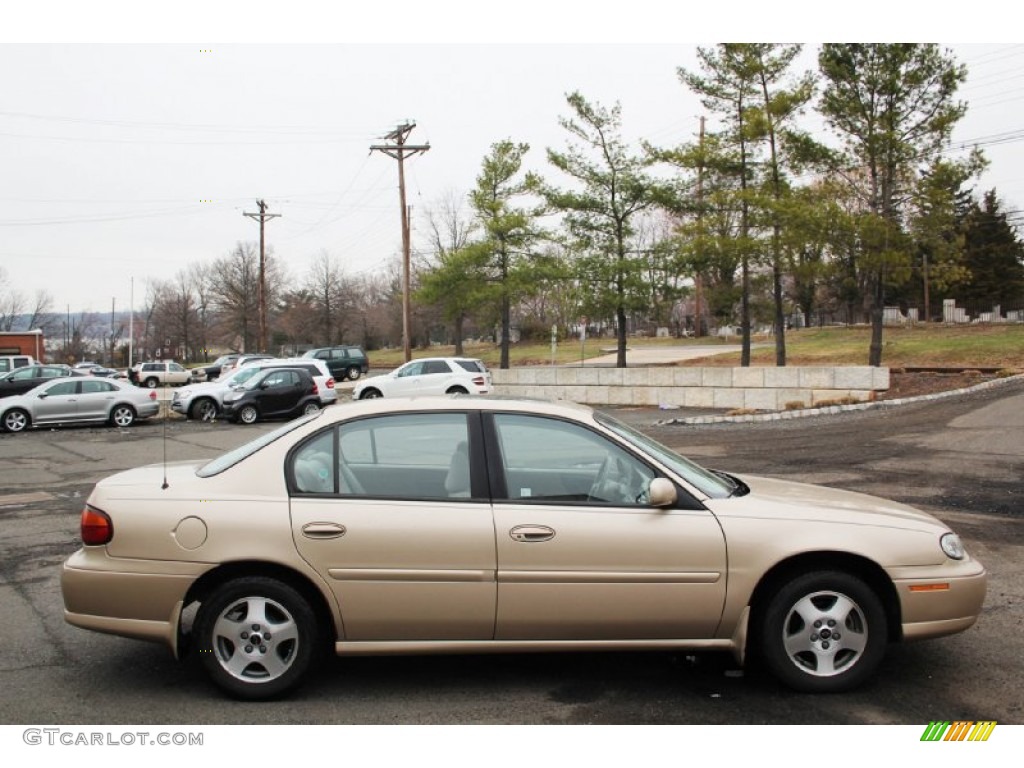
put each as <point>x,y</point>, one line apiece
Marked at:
<point>78,400</point>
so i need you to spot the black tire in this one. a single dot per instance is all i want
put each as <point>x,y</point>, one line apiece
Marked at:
<point>248,414</point>
<point>309,408</point>
<point>267,610</point>
<point>457,391</point>
<point>823,632</point>
<point>370,394</point>
<point>204,409</point>
<point>150,383</point>
<point>122,416</point>
<point>16,420</point>
<point>353,373</point>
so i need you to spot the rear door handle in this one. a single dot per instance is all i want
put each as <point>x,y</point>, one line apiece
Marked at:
<point>531,533</point>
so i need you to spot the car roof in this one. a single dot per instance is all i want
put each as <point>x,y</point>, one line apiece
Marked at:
<point>449,403</point>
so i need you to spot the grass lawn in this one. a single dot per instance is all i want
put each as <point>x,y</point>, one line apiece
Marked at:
<point>998,346</point>
<point>988,346</point>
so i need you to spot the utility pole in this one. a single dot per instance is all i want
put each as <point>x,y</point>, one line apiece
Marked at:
<point>262,217</point>
<point>399,150</point>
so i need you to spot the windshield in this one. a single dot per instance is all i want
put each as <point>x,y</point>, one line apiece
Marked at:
<point>710,483</point>
<point>232,457</point>
<point>239,376</point>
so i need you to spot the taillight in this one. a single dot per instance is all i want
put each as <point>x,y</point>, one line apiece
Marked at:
<point>479,381</point>
<point>97,527</point>
<point>152,394</point>
<point>330,383</point>
<point>316,390</point>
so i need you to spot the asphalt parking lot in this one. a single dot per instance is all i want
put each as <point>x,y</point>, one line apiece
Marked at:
<point>961,459</point>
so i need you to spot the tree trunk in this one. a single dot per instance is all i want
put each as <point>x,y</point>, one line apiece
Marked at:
<point>458,334</point>
<point>878,300</point>
<point>745,315</point>
<point>620,347</point>
<point>780,319</point>
<point>506,321</point>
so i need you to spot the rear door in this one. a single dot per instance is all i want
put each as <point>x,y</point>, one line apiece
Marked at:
<point>393,512</point>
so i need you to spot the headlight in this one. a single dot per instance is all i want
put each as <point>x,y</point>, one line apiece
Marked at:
<point>183,394</point>
<point>952,546</point>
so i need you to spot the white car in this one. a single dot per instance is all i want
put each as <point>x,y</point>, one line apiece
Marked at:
<point>429,376</point>
<point>159,373</point>
<point>78,399</point>
<point>205,401</point>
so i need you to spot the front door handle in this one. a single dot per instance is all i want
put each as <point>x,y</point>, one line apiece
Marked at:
<point>323,530</point>
<point>531,533</point>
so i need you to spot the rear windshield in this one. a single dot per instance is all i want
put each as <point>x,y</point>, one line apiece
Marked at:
<point>229,459</point>
<point>473,366</point>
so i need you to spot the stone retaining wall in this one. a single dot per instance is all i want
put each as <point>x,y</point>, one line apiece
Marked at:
<point>760,388</point>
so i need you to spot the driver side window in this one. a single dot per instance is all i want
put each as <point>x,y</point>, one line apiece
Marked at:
<point>552,461</point>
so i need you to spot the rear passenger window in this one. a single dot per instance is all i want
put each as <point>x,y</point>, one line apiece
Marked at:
<point>398,456</point>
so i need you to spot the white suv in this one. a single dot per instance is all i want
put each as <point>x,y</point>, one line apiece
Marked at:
<point>154,374</point>
<point>205,402</point>
<point>429,376</point>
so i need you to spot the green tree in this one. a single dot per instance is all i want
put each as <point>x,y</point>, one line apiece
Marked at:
<point>509,232</point>
<point>773,122</point>
<point>611,189</point>
<point>893,106</point>
<point>728,83</point>
<point>994,257</point>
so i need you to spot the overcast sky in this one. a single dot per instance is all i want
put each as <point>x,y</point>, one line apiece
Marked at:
<point>125,163</point>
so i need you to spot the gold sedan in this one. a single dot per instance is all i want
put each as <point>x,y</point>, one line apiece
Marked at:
<point>451,525</point>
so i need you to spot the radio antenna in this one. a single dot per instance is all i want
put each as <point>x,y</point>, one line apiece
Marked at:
<point>163,407</point>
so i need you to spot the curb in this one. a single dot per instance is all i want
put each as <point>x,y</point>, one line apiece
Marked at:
<point>833,409</point>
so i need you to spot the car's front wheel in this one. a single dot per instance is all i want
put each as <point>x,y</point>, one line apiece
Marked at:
<point>204,409</point>
<point>122,416</point>
<point>370,394</point>
<point>248,414</point>
<point>16,420</point>
<point>823,632</point>
<point>257,637</point>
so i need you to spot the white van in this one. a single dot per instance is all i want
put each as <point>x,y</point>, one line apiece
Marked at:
<point>10,362</point>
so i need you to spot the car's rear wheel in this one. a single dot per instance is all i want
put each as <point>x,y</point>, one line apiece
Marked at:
<point>122,416</point>
<point>457,391</point>
<point>823,632</point>
<point>309,408</point>
<point>16,420</point>
<point>370,394</point>
<point>353,373</point>
<point>248,414</point>
<point>204,409</point>
<point>257,637</point>
<point>151,383</point>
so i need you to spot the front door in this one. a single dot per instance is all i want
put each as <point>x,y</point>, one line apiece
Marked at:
<point>582,556</point>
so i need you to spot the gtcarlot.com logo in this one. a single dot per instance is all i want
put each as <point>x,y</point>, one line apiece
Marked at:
<point>958,730</point>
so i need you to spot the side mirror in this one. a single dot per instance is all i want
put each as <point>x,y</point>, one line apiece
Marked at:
<point>42,395</point>
<point>662,492</point>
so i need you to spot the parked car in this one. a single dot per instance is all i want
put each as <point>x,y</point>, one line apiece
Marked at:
<point>95,369</point>
<point>440,525</point>
<point>429,376</point>
<point>205,401</point>
<point>78,399</point>
<point>345,362</point>
<point>274,393</point>
<point>21,380</point>
<point>213,371</point>
<point>10,362</point>
<point>159,373</point>
<point>241,360</point>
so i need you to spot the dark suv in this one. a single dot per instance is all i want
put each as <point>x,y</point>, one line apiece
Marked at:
<point>344,362</point>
